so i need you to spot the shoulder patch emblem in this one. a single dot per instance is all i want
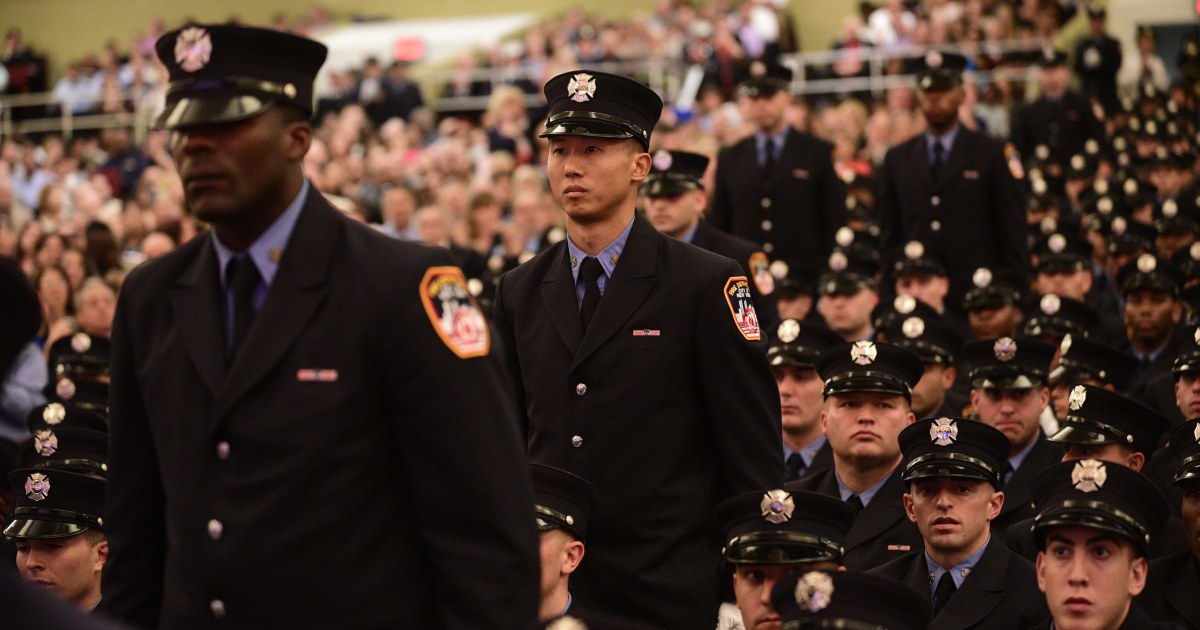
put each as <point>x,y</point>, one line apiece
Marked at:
<point>453,312</point>
<point>741,306</point>
<point>764,281</point>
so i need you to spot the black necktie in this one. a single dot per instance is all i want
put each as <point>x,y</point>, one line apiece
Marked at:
<point>855,503</point>
<point>1006,471</point>
<point>941,595</point>
<point>769,161</point>
<point>795,465</point>
<point>939,158</point>
<point>242,276</point>
<point>589,271</point>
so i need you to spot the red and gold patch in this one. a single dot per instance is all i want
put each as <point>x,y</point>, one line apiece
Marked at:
<point>453,312</point>
<point>741,306</point>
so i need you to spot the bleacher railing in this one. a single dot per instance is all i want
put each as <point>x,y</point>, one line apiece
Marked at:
<point>666,76</point>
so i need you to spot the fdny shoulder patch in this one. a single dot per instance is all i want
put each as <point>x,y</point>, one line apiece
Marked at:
<point>453,312</point>
<point>741,306</point>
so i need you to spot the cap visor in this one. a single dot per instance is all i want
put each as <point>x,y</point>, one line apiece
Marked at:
<point>1075,434</point>
<point>954,469</point>
<point>38,528</point>
<point>585,128</point>
<point>194,111</point>
<point>867,384</point>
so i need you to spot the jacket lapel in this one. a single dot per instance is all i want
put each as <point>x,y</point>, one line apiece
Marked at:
<point>196,302</point>
<point>1183,593</point>
<point>300,286</point>
<point>981,592</point>
<point>883,512</point>
<point>558,296</point>
<point>632,279</point>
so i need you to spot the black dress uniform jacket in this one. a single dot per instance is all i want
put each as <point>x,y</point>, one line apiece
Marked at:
<point>793,212</point>
<point>973,214</point>
<point>1018,492</point>
<point>1172,590</point>
<point>740,249</point>
<point>1062,125</point>
<point>662,404</point>
<point>251,494</point>
<point>882,532</point>
<point>999,593</point>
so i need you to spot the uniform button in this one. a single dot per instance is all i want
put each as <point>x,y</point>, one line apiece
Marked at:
<point>935,200</point>
<point>218,608</point>
<point>577,441</point>
<point>215,529</point>
<point>581,389</point>
<point>766,202</point>
<point>766,225</point>
<point>935,226</point>
<point>768,248</point>
<point>222,450</point>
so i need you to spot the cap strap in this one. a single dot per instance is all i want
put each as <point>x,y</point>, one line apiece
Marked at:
<point>958,457</point>
<point>95,521</point>
<point>642,134</point>
<point>240,83</point>
<point>1120,515</point>
<point>554,514</point>
<point>884,376</point>
<point>1094,425</point>
<point>808,540</point>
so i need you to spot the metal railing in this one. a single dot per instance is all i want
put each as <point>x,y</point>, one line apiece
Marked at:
<point>663,75</point>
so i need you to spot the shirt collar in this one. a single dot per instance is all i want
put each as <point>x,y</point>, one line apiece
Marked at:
<point>267,250</point>
<point>946,139</point>
<point>779,137</point>
<point>958,572</point>
<point>809,452</point>
<point>865,496</point>
<point>1015,460</point>
<point>690,234</point>
<point>1152,355</point>
<point>607,256</point>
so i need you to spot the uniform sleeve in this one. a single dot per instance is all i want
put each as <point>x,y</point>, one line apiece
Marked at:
<point>456,432</point>
<point>887,202</point>
<point>136,509</point>
<point>740,392</point>
<point>506,346</point>
<point>720,210</point>
<point>1009,220</point>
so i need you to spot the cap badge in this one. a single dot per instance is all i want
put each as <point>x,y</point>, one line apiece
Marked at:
<point>566,622</point>
<point>758,69</point>
<point>914,250</point>
<point>1042,152</point>
<point>1170,209</point>
<point>1077,398</point>
<point>844,236</point>
<point>1105,205</point>
<point>1089,475</point>
<point>1131,187</point>
<point>814,591</point>
<point>1146,263</point>
<point>1194,251</point>
<point>81,342</point>
<point>1196,336</point>
<point>934,59</point>
<point>1048,225</point>
<point>838,261</point>
<point>663,160</point>
<point>1078,162</point>
<point>863,352</point>
<point>789,329</point>
<point>37,486</point>
<point>1051,303</point>
<point>1057,243</point>
<point>1101,186</point>
<point>904,304</point>
<point>1119,225</point>
<point>1005,349</point>
<point>582,87</point>
<point>65,389</point>
<point>943,432</point>
<point>982,277</point>
<point>779,269</point>
<point>913,327</point>
<point>193,49</point>
<point>777,506</point>
<point>1065,346</point>
<point>45,442</point>
<point>1040,187</point>
<point>1197,433</point>
<point>1091,147</point>
<point>55,413</point>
